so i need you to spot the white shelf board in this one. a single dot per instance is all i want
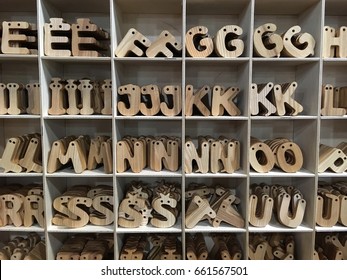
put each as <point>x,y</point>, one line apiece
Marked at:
<point>282,118</point>
<point>22,174</point>
<point>284,61</point>
<point>74,59</point>
<point>78,117</point>
<point>147,59</point>
<point>87,173</point>
<point>279,228</point>
<point>335,61</point>
<point>237,174</point>
<point>210,60</point>
<point>204,226</point>
<point>24,116</point>
<point>334,117</point>
<point>277,173</point>
<point>34,228</point>
<point>155,118</point>
<point>86,229</point>
<point>332,174</point>
<point>150,173</point>
<point>23,57</point>
<point>336,228</point>
<point>151,229</point>
<point>217,118</point>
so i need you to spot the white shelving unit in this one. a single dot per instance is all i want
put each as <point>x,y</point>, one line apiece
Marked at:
<point>151,17</point>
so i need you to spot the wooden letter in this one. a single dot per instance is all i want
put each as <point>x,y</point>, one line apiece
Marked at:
<point>259,104</point>
<point>334,42</point>
<point>135,155</point>
<point>57,99</point>
<point>107,91</point>
<point>198,42</point>
<point>154,99</point>
<point>171,108</point>
<point>86,89</point>
<point>17,100</point>
<point>200,156</point>
<point>34,103</point>
<point>166,45</point>
<point>131,106</point>
<point>88,39</point>
<point>57,38</point>
<point>296,44</point>
<point>18,37</point>
<point>223,99</point>
<point>73,97</point>
<point>226,42</point>
<point>3,99</point>
<point>266,43</point>
<point>134,43</point>
<point>283,95</point>
<point>328,102</point>
<point>196,99</point>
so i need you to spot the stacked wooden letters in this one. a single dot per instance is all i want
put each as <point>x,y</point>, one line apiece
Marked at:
<point>80,97</point>
<point>226,43</point>
<point>286,202</point>
<point>212,155</point>
<point>136,44</point>
<point>82,152</point>
<point>225,247</point>
<point>82,38</point>
<point>81,205</point>
<point>292,43</point>
<point>331,204</point>
<point>155,153</point>
<point>273,246</point>
<point>333,159</point>
<point>149,100</point>
<point>152,247</point>
<point>22,154</point>
<point>274,99</point>
<point>334,100</point>
<point>142,205</point>
<point>222,100</point>
<point>16,99</point>
<point>24,248</point>
<point>87,247</point>
<point>22,206</point>
<point>330,246</point>
<point>216,204</point>
<point>18,37</point>
<point>282,152</point>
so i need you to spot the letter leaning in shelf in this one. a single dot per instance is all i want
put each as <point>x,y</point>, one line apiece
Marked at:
<point>281,152</point>
<point>292,43</point>
<point>82,152</point>
<point>22,154</point>
<point>334,42</point>
<point>98,201</point>
<point>85,97</point>
<point>23,206</point>
<point>18,37</point>
<point>269,99</point>
<point>82,38</point>
<point>225,44</point>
